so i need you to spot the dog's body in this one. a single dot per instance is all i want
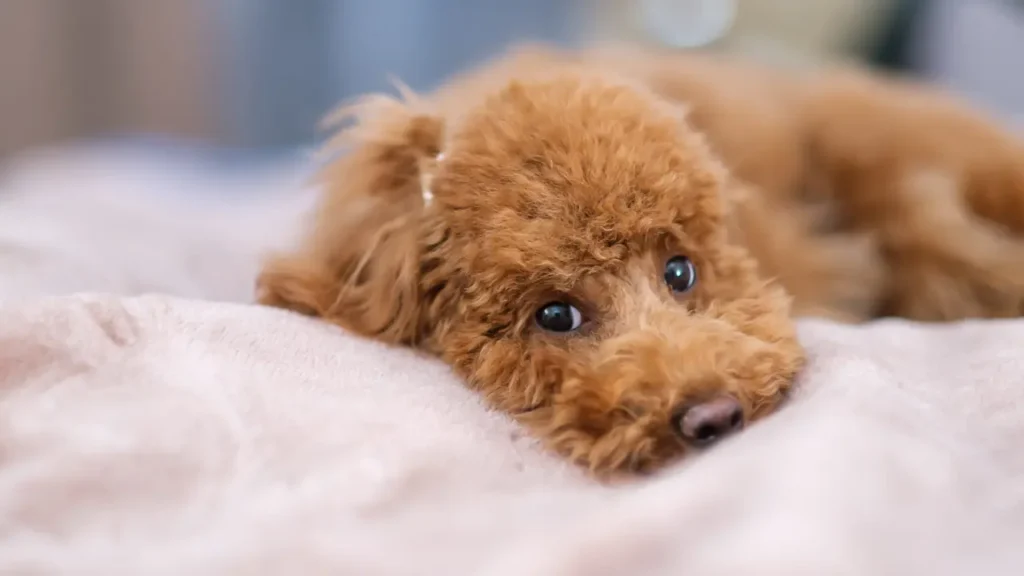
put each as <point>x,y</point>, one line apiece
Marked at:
<point>905,195</point>
<point>614,244</point>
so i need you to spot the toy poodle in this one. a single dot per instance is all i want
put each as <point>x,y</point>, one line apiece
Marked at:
<point>611,245</point>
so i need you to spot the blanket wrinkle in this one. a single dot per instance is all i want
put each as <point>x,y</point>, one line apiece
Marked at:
<point>108,331</point>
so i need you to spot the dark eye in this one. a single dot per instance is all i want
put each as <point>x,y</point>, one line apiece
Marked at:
<point>680,274</point>
<point>559,317</point>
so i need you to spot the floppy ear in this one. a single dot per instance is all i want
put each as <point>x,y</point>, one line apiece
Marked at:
<point>359,267</point>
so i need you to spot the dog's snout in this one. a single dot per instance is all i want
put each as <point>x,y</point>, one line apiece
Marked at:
<point>707,422</point>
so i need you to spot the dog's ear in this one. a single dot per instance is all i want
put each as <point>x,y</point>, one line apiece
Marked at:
<point>359,267</point>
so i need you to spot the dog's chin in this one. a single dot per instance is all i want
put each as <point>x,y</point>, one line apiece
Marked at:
<point>625,449</point>
<point>611,444</point>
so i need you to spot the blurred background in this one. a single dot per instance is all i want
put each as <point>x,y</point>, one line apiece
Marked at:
<point>166,145</point>
<point>256,75</point>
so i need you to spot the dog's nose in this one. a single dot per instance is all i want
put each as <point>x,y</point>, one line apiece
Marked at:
<point>705,423</point>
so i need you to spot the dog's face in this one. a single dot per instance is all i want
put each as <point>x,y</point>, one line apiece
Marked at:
<point>574,266</point>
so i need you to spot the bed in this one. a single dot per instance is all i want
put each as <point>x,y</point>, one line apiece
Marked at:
<point>154,421</point>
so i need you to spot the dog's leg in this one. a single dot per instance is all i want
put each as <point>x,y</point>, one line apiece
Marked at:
<point>939,185</point>
<point>833,275</point>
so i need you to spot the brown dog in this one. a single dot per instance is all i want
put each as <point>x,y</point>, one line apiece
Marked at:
<point>611,246</point>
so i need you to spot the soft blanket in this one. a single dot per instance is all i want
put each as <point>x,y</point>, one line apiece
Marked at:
<point>153,435</point>
<point>160,436</point>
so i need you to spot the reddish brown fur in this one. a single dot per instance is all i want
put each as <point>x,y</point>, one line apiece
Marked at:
<point>577,176</point>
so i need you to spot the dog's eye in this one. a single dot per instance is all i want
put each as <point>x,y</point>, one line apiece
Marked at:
<point>559,317</point>
<point>680,274</point>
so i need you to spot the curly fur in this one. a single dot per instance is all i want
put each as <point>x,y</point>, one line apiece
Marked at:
<point>576,176</point>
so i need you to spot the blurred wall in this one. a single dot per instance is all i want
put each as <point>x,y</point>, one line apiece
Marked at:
<point>795,33</point>
<point>293,61</point>
<point>254,73</point>
<point>76,68</point>
<point>975,49</point>
<point>261,73</point>
<point>36,104</point>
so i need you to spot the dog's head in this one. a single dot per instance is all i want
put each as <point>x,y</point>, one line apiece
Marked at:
<point>570,258</point>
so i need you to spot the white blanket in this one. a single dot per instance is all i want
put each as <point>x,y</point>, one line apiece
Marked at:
<point>161,436</point>
<point>153,435</point>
